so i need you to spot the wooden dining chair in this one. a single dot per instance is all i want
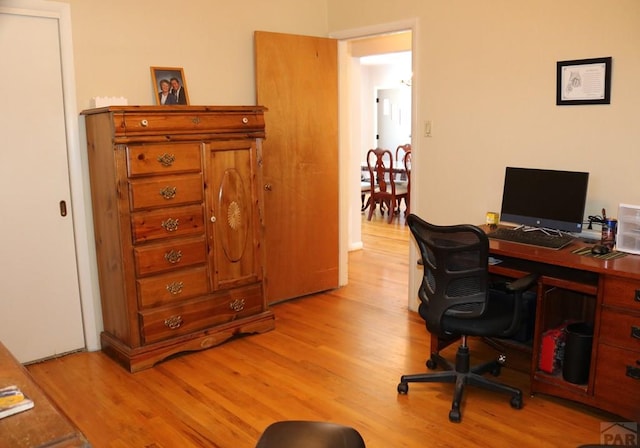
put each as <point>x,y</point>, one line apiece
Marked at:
<point>401,151</point>
<point>406,161</point>
<point>365,188</point>
<point>384,191</point>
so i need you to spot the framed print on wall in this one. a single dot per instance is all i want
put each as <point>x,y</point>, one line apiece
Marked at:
<point>170,86</point>
<point>583,81</point>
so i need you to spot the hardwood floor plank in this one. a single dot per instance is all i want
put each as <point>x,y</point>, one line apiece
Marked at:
<point>335,356</point>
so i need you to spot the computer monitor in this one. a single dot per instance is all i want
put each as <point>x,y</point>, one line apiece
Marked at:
<point>548,199</point>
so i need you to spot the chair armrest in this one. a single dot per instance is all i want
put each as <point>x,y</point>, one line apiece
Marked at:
<point>515,286</point>
<point>521,284</point>
<point>516,289</point>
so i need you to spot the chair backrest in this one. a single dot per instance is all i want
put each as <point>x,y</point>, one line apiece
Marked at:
<point>380,164</point>
<point>406,161</point>
<point>401,154</point>
<point>402,150</point>
<point>455,262</point>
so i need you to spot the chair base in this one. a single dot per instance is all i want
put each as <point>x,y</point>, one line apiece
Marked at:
<point>461,375</point>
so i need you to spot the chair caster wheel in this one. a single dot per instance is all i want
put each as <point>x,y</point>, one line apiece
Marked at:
<point>516,402</point>
<point>403,388</point>
<point>454,416</point>
<point>431,364</point>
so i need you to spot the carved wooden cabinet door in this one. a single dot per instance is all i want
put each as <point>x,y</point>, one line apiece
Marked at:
<point>232,209</point>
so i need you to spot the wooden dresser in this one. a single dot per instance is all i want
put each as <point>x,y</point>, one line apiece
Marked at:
<point>177,209</point>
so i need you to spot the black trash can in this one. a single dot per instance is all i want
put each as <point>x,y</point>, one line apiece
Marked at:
<point>577,353</point>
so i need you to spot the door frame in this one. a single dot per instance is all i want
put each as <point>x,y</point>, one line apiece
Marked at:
<point>77,165</point>
<point>349,208</point>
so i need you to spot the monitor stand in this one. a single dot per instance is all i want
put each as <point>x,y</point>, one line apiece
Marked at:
<point>545,230</point>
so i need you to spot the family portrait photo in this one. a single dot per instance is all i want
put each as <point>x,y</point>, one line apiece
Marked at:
<point>170,86</point>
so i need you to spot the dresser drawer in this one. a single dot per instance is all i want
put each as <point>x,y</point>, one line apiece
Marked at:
<point>176,286</point>
<point>165,223</point>
<point>171,321</point>
<point>618,380</point>
<point>165,191</point>
<point>135,124</point>
<point>176,254</point>
<point>622,292</point>
<point>164,158</point>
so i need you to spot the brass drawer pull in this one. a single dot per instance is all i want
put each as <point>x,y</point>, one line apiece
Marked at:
<point>633,372</point>
<point>168,192</point>
<point>170,225</point>
<point>196,120</point>
<point>175,288</point>
<point>173,322</point>
<point>245,120</point>
<point>237,305</point>
<point>173,256</point>
<point>635,332</point>
<point>166,159</point>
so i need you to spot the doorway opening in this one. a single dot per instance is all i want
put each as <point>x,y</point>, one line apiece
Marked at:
<point>377,70</point>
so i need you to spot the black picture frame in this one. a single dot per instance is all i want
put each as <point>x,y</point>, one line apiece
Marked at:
<point>583,81</point>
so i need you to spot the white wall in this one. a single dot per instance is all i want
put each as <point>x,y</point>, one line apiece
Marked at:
<point>117,41</point>
<point>374,77</point>
<point>486,76</point>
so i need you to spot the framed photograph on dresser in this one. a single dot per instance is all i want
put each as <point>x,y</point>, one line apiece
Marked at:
<point>170,86</point>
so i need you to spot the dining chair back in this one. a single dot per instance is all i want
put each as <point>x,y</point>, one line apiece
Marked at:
<point>406,161</point>
<point>384,191</point>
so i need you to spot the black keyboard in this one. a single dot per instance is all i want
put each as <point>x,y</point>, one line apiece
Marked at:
<point>532,237</point>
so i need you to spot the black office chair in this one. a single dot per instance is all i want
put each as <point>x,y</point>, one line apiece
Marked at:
<point>309,434</point>
<point>456,300</point>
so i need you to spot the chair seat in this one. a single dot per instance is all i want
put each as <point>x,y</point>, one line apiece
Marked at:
<point>400,191</point>
<point>309,434</point>
<point>494,320</point>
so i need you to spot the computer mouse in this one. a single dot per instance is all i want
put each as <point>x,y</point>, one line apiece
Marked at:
<point>600,249</point>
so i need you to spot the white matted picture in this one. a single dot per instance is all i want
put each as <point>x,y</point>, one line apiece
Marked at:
<point>583,81</point>
<point>170,85</point>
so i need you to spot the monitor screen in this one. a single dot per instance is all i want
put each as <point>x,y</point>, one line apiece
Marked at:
<point>544,198</point>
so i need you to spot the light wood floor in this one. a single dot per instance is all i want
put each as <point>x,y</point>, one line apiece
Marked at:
<point>335,356</point>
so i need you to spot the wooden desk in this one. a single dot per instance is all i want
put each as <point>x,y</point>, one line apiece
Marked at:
<point>606,293</point>
<point>43,425</point>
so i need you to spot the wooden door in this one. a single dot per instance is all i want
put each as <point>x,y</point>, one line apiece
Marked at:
<point>40,314</point>
<point>297,80</point>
